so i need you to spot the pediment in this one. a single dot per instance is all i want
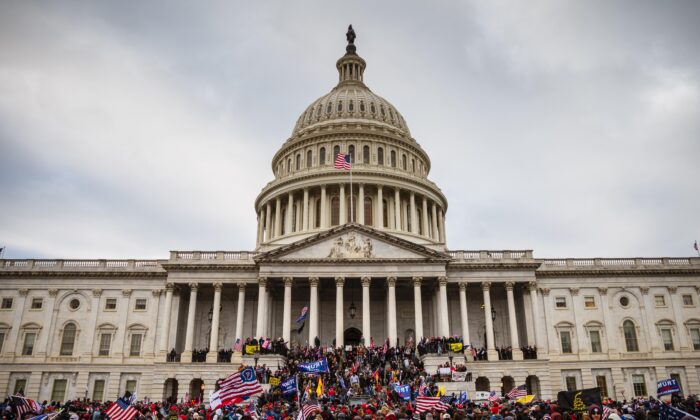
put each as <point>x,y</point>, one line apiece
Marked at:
<point>352,242</point>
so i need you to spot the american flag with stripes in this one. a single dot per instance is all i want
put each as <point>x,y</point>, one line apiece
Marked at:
<point>429,403</point>
<point>342,161</point>
<point>493,397</point>
<point>240,384</point>
<point>517,392</point>
<point>24,405</point>
<point>309,408</point>
<point>121,410</point>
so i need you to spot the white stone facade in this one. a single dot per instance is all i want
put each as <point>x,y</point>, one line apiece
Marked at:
<point>76,328</point>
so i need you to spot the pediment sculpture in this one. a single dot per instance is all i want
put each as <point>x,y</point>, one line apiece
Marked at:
<point>351,248</point>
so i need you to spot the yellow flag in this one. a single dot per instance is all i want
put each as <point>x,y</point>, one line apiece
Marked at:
<point>525,400</point>
<point>441,391</point>
<point>319,388</point>
<point>456,347</point>
<point>274,381</point>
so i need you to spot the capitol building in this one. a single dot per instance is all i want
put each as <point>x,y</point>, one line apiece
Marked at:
<point>369,257</point>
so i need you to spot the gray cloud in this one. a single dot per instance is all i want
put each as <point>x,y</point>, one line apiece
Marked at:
<point>128,129</point>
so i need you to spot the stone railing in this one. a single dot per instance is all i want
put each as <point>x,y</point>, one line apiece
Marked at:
<point>243,257</point>
<point>582,263</point>
<point>481,256</point>
<point>127,265</point>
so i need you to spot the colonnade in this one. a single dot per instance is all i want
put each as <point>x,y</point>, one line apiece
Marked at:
<point>309,209</point>
<point>313,312</point>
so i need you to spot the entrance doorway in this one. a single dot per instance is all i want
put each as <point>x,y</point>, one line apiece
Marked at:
<point>352,336</point>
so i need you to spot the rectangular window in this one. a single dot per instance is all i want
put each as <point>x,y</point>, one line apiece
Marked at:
<point>135,348</point>
<point>105,344</point>
<point>20,386</point>
<point>640,387</point>
<point>688,300</point>
<point>667,338</point>
<point>571,383</point>
<point>565,341</point>
<point>58,393</point>
<point>140,305</point>
<point>98,390</point>
<point>28,347</point>
<point>560,302</point>
<point>595,342</point>
<point>6,303</point>
<point>660,300</point>
<point>37,303</point>
<point>2,340</point>
<point>602,383</point>
<point>589,302</point>
<point>694,335</point>
<point>130,386</point>
<point>111,304</point>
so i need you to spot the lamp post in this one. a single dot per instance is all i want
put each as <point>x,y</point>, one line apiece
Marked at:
<point>353,308</point>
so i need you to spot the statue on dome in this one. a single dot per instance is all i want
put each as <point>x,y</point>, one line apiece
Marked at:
<point>350,35</point>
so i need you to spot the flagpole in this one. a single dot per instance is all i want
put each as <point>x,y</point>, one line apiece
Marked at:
<point>352,208</point>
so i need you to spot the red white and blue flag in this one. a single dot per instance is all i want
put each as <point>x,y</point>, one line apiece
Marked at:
<point>428,403</point>
<point>517,392</point>
<point>240,384</point>
<point>121,410</point>
<point>24,405</point>
<point>342,161</point>
<point>302,315</point>
<point>493,396</point>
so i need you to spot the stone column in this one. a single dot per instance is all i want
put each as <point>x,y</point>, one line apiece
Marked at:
<point>324,218</point>
<point>379,220</point>
<point>397,209</point>
<point>268,221</point>
<point>240,312</point>
<point>278,217</point>
<point>463,311</point>
<point>418,307</point>
<point>677,305</point>
<point>343,206</point>
<point>490,346</point>
<point>444,318</point>
<point>436,234</point>
<point>441,227</point>
<point>212,356</point>
<point>393,335</point>
<point>339,329</point>
<point>288,220</point>
<point>361,204</point>
<point>262,307</point>
<point>513,323</point>
<point>577,306</point>
<point>17,314</point>
<point>535,303</point>
<point>259,235</point>
<point>189,334</point>
<point>610,330</point>
<point>414,215</point>
<point>313,310</point>
<point>305,211</point>
<point>42,341</point>
<point>424,219</point>
<point>648,317</point>
<point>287,314</point>
<point>366,331</point>
<point>165,332</point>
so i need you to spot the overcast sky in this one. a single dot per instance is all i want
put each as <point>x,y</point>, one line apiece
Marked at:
<point>130,128</point>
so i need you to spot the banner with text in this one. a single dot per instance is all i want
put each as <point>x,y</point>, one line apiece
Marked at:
<point>319,366</point>
<point>667,386</point>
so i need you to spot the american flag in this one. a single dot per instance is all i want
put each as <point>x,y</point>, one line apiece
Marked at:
<point>240,384</point>
<point>342,161</point>
<point>517,392</point>
<point>309,408</point>
<point>429,403</point>
<point>666,412</point>
<point>121,410</point>
<point>24,405</point>
<point>493,396</point>
<point>606,412</point>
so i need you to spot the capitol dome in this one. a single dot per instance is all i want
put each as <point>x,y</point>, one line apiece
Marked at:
<point>389,189</point>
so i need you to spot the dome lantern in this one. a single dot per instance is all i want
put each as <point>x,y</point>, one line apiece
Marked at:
<point>351,66</point>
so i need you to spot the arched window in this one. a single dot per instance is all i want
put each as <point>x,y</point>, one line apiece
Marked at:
<point>318,213</point>
<point>413,165</point>
<point>298,162</point>
<point>380,156</point>
<point>351,152</point>
<point>365,154</point>
<point>340,106</point>
<point>335,211</point>
<point>351,107</point>
<point>393,159</point>
<point>630,332</point>
<point>381,110</point>
<point>368,211</point>
<point>322,156</point>
<point>289,165</point>
<point>308,159</point>
<point>372,109</point>
<point>362,106</point>
<point>68,339</point>
<point>404,165</point>
<point>329,108</point>
<point>336,150</point>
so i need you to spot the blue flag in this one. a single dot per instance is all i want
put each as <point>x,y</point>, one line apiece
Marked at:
<point>319,366</point>
<point>463,397</point>
<point>289,386</point>
<point>404,391</point>
<point>302,315</point>
<point>666,387</point>
<point>667,412</point>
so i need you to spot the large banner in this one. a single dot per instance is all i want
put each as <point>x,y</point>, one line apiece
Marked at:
<point>579,400</point>
<point>404,391</point>
<point>456,347</point>
<point>444,371</point>
<point>289,386</point>
<point>459,376</point>
<point>667,386</point>
<point>319,366</point>
<point>252,349</point>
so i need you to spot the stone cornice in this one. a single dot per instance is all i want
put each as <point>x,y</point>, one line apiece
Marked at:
<point>493,265</point>
<point>627,272</point>
<point>175,267</point>
<point>81,274</point>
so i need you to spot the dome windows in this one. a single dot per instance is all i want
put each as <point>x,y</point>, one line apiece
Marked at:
<point>351,107</point>
<point>309,158</point>
<point>381,110</point>
<point>380,156</point>
<point>322,156</point>
<point>372,109</point>
<point>351,152</point>
<point>298,162</point>
<point>329,108</point>
<point>340,106</point>
<point>393,159</point>
<point>365,154</point>
<point>318,112</point>
<point>362,106</point>
<point>404,165</point>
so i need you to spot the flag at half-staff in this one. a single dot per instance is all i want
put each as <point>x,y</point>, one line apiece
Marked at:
<point>239,384</point>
